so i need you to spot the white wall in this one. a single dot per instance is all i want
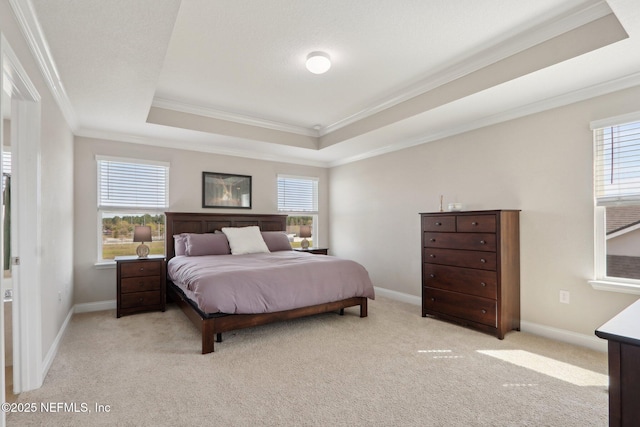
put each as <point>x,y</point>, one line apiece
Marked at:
<point>540,164</point>
<point>185,195</point>
<point>56,182</point>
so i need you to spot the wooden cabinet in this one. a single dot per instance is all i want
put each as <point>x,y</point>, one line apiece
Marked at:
<point>623,335</point>
<point>471,268</point>
<point>141,284</point>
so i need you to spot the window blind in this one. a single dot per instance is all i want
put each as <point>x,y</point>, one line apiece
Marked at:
<point>132,185</point>
<point>6,166</point>
<point>617,164</point>
<point>297,194</point>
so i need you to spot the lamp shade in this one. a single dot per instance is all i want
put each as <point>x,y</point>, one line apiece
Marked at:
<point>305,231</point>
<point>142,233</point>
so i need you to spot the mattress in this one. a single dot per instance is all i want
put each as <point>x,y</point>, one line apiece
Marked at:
<point>267,282</point>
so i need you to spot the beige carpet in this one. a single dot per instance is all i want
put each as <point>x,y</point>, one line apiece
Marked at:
<point>393,368</point>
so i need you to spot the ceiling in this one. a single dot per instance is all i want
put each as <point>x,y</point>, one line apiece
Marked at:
<point>228,76</point>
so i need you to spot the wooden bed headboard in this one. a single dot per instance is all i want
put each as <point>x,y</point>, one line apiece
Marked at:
<point>188,222</point>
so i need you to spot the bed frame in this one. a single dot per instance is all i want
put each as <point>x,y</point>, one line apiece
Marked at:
<point>216,324</point>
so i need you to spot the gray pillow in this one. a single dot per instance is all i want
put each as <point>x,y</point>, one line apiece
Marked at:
<point>276,240</point>
<point>207,244</point>
<point>180,244</point>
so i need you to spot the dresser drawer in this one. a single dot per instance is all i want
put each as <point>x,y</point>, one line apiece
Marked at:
<point>439,223</point>
<point>469,259</point>
<point>482,283</point>
<point>141,268</point>
<point>140,299</point>
<point>476,223</point>
<point>465,307</point>
<point>140,284</point>
<point>469,241</point>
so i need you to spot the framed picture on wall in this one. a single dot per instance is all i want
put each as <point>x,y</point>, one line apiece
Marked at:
<point>223,190</point>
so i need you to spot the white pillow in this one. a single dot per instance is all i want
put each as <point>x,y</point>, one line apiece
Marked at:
<point>245,240</point>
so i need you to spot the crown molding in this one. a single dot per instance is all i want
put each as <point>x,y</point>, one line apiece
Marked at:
<point>30,26</point>
<point>169,104</point>
<point>621,83</point>
<point>203,147</point>
<point>509,44</point>
<point>14,75</point>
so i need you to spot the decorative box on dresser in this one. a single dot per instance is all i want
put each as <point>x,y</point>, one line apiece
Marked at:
<point>471,268</point>
<point>141,284</point>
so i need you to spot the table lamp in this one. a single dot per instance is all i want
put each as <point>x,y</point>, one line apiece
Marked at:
<point>305,231</point>
<point>142,233</point>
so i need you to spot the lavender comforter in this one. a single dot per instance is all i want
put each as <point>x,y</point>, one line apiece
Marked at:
<point>268,282</point>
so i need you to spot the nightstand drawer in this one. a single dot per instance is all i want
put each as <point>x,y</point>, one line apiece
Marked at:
<point>140,284</point>
<point>140,299</point>
<point>141,268</point>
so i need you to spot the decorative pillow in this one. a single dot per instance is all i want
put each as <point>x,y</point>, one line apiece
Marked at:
<point>276,240</point>
<point>245,240</point>
<point>180,244</point>
<point>207,244</point>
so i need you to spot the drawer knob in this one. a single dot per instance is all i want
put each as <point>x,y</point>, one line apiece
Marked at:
<point>438,223</point>
<point>482,260</point>
<point>141,268</point>
<point>482,242</point>
<point>433,299</point>
<point>432,275</point>
<point>483,284</point>
<point>484,311</point>
<point>432,239</point>
<point>474,223</point>
<point>432,255</point>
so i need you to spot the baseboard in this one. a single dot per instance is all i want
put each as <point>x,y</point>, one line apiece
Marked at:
<point>398,296</point>
<point>95,306</point>
<point>591,342</point>
<point>53,350</point>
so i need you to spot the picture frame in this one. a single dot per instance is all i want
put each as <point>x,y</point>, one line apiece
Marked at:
<point>226,191</point>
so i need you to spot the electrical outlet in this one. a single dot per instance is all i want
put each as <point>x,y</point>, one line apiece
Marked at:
<point>564,297</point>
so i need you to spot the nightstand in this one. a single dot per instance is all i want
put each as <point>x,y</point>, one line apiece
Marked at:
<point>141,284</point>
<point>313,250</point>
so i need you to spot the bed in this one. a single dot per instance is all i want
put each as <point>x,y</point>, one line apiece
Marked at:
<point>214,310</point>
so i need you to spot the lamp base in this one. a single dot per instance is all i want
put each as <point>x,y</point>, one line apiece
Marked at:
<point>142,251</point>
<point>304,244</point>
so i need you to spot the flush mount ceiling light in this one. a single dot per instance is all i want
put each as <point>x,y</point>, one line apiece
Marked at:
<point>318,62</point>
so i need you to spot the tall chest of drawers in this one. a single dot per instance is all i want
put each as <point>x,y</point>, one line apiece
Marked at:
<point>471,268</point>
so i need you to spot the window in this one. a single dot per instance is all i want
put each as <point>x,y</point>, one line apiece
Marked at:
<point>130,193</point>
<point>298,197</point>
<point>617,199</point>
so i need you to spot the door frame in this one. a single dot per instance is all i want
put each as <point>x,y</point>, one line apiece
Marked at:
<point>26,222</point>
